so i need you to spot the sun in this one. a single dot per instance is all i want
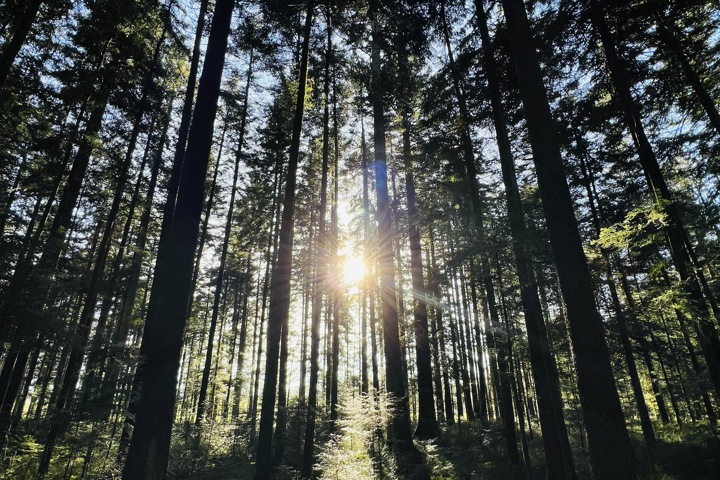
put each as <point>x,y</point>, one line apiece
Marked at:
<point>353,270</point>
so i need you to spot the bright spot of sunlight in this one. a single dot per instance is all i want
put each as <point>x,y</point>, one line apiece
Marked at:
<point>353,270</point>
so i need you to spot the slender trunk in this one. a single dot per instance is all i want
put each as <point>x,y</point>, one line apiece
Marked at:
<point>307,296</point>
<point>167,314</point>
<point>224,249</point>
<point>21,28</point>
<point>321,262</point>
<point>366,285</point>
<point>471,350</point>
<point>558,458</point>
<point>334,229</point>
<point>373,335</point>
<point>459,338</point>
<point>238,383</point>
<point>437,322</point>
<point>270,260</point>
<point>400,433</point>
<point>680,248</point>
<point>504,365</point>
<point>512,372</point>
<point>280,287</point>
<point>478,340</point>
<point>662,408</point>
<point>602,412</point>
<point>397,244</point>
<point>427,426</point>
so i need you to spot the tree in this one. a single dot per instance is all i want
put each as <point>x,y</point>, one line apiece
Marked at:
<point>22,24</point>
<point>602,413</point>
<point>400,432</point>
<point>282,271</point>
<point>167,314</point>
<point>558,458</point>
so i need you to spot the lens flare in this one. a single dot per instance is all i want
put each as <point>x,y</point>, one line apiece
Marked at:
<point>353,270</point>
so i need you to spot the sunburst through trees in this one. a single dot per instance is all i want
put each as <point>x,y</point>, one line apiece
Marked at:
<point>381,239</point>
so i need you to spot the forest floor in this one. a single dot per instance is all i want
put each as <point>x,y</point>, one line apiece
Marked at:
<point>470,452</point>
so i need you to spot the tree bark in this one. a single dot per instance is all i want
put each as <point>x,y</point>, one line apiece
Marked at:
<point>558,457</point>
<point>400,434</point>
<point>427,426</point>
<point>610,449</point>
<point>280,286</point>
<point>680,248</point>
<point>162,338</point>
<point>21,28</point>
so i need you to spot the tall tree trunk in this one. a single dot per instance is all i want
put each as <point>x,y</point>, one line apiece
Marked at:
<point>306,308</point>
<point>400,433</point>
<point>238,383</point>
<point>224,249</point>
<point>397,244</point>
<point>321,272</point>
<point>610,449</point>
<point>427,426</point>
<point>512,373</point>
<point>366,285</point>
<point>478,340</point>
<point>680,248</point>
<point>558,457</point>
<point>280,286</point>
<point>459,340</point>
<point>437,322</point>
<point>21,28</point>
<point>334,229</point>
<point>471,356</point>
<point>270,260</point>
<point>163,335</point>
<point>504,374</point>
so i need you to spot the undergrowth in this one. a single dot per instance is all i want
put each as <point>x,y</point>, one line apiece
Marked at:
<point>357,450</point>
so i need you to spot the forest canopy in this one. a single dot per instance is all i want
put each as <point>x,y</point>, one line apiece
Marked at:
<point>414,239</point>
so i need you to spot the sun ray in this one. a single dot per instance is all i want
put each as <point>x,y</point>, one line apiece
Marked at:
<point>353,270</point>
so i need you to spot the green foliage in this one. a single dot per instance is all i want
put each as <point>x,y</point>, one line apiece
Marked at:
<point>208,452</point>
<point>475,451</point>
<point>23,459</point>
<point>353,451</point>
<point>640,228</point>
<point>689,452</point>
